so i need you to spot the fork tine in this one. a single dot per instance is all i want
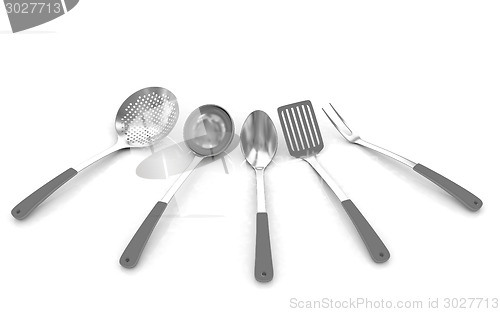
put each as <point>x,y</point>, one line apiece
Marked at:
<point>336,112</point>
<point>331,120</point>
<point>341,119</point>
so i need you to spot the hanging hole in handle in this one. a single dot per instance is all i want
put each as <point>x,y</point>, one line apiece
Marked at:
<point>475,203</point>
<point>381,254</point>
<point>127,259</point>
<point>263,273</point>
<point>18,211</point>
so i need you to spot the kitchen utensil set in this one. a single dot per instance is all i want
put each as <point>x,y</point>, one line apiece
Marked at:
<point>149,115</point>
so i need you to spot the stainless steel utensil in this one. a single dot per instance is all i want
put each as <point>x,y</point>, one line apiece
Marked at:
<point>145,117</point>
<point>304,141</point>
<point>470,200</point>
<point>208,131</point>
<point>259,142</point>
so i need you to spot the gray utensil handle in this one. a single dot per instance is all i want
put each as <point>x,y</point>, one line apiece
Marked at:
<point>132,253</point>
<point>470,200</point>
<point>373,243</point>
<point>24,208</point>
<point>263,258</point>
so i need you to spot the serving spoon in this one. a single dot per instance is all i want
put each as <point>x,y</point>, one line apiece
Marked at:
<point>259,142</point>
<point>208,131</point>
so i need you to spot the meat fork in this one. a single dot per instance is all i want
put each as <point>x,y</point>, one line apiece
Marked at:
<point>470,200</point>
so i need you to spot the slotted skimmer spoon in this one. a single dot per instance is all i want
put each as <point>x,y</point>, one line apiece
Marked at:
<point>208,131</point>
<point>304,141</point>
<point>145,117</point>
<point>259,142</point>
<point>470,200</point>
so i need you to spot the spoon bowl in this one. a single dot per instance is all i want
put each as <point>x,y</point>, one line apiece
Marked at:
<point>208,130</point>
<point>259,139</point>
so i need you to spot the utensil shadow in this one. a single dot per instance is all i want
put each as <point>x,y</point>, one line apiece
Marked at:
<point>171,160</point>
<point>27,32</point>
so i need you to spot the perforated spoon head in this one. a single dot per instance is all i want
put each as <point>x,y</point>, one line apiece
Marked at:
<point>147,116</point>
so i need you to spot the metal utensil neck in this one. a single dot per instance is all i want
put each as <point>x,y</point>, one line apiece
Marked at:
<point>120,144</point>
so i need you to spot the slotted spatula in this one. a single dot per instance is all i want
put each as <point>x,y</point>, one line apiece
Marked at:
<point>304,141</point>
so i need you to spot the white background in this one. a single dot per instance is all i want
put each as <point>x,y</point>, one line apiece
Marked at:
<point>419,78</point>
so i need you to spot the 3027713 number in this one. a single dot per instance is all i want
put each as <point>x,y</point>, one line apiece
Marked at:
<point>470,303</point>
<point>33,8</point>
